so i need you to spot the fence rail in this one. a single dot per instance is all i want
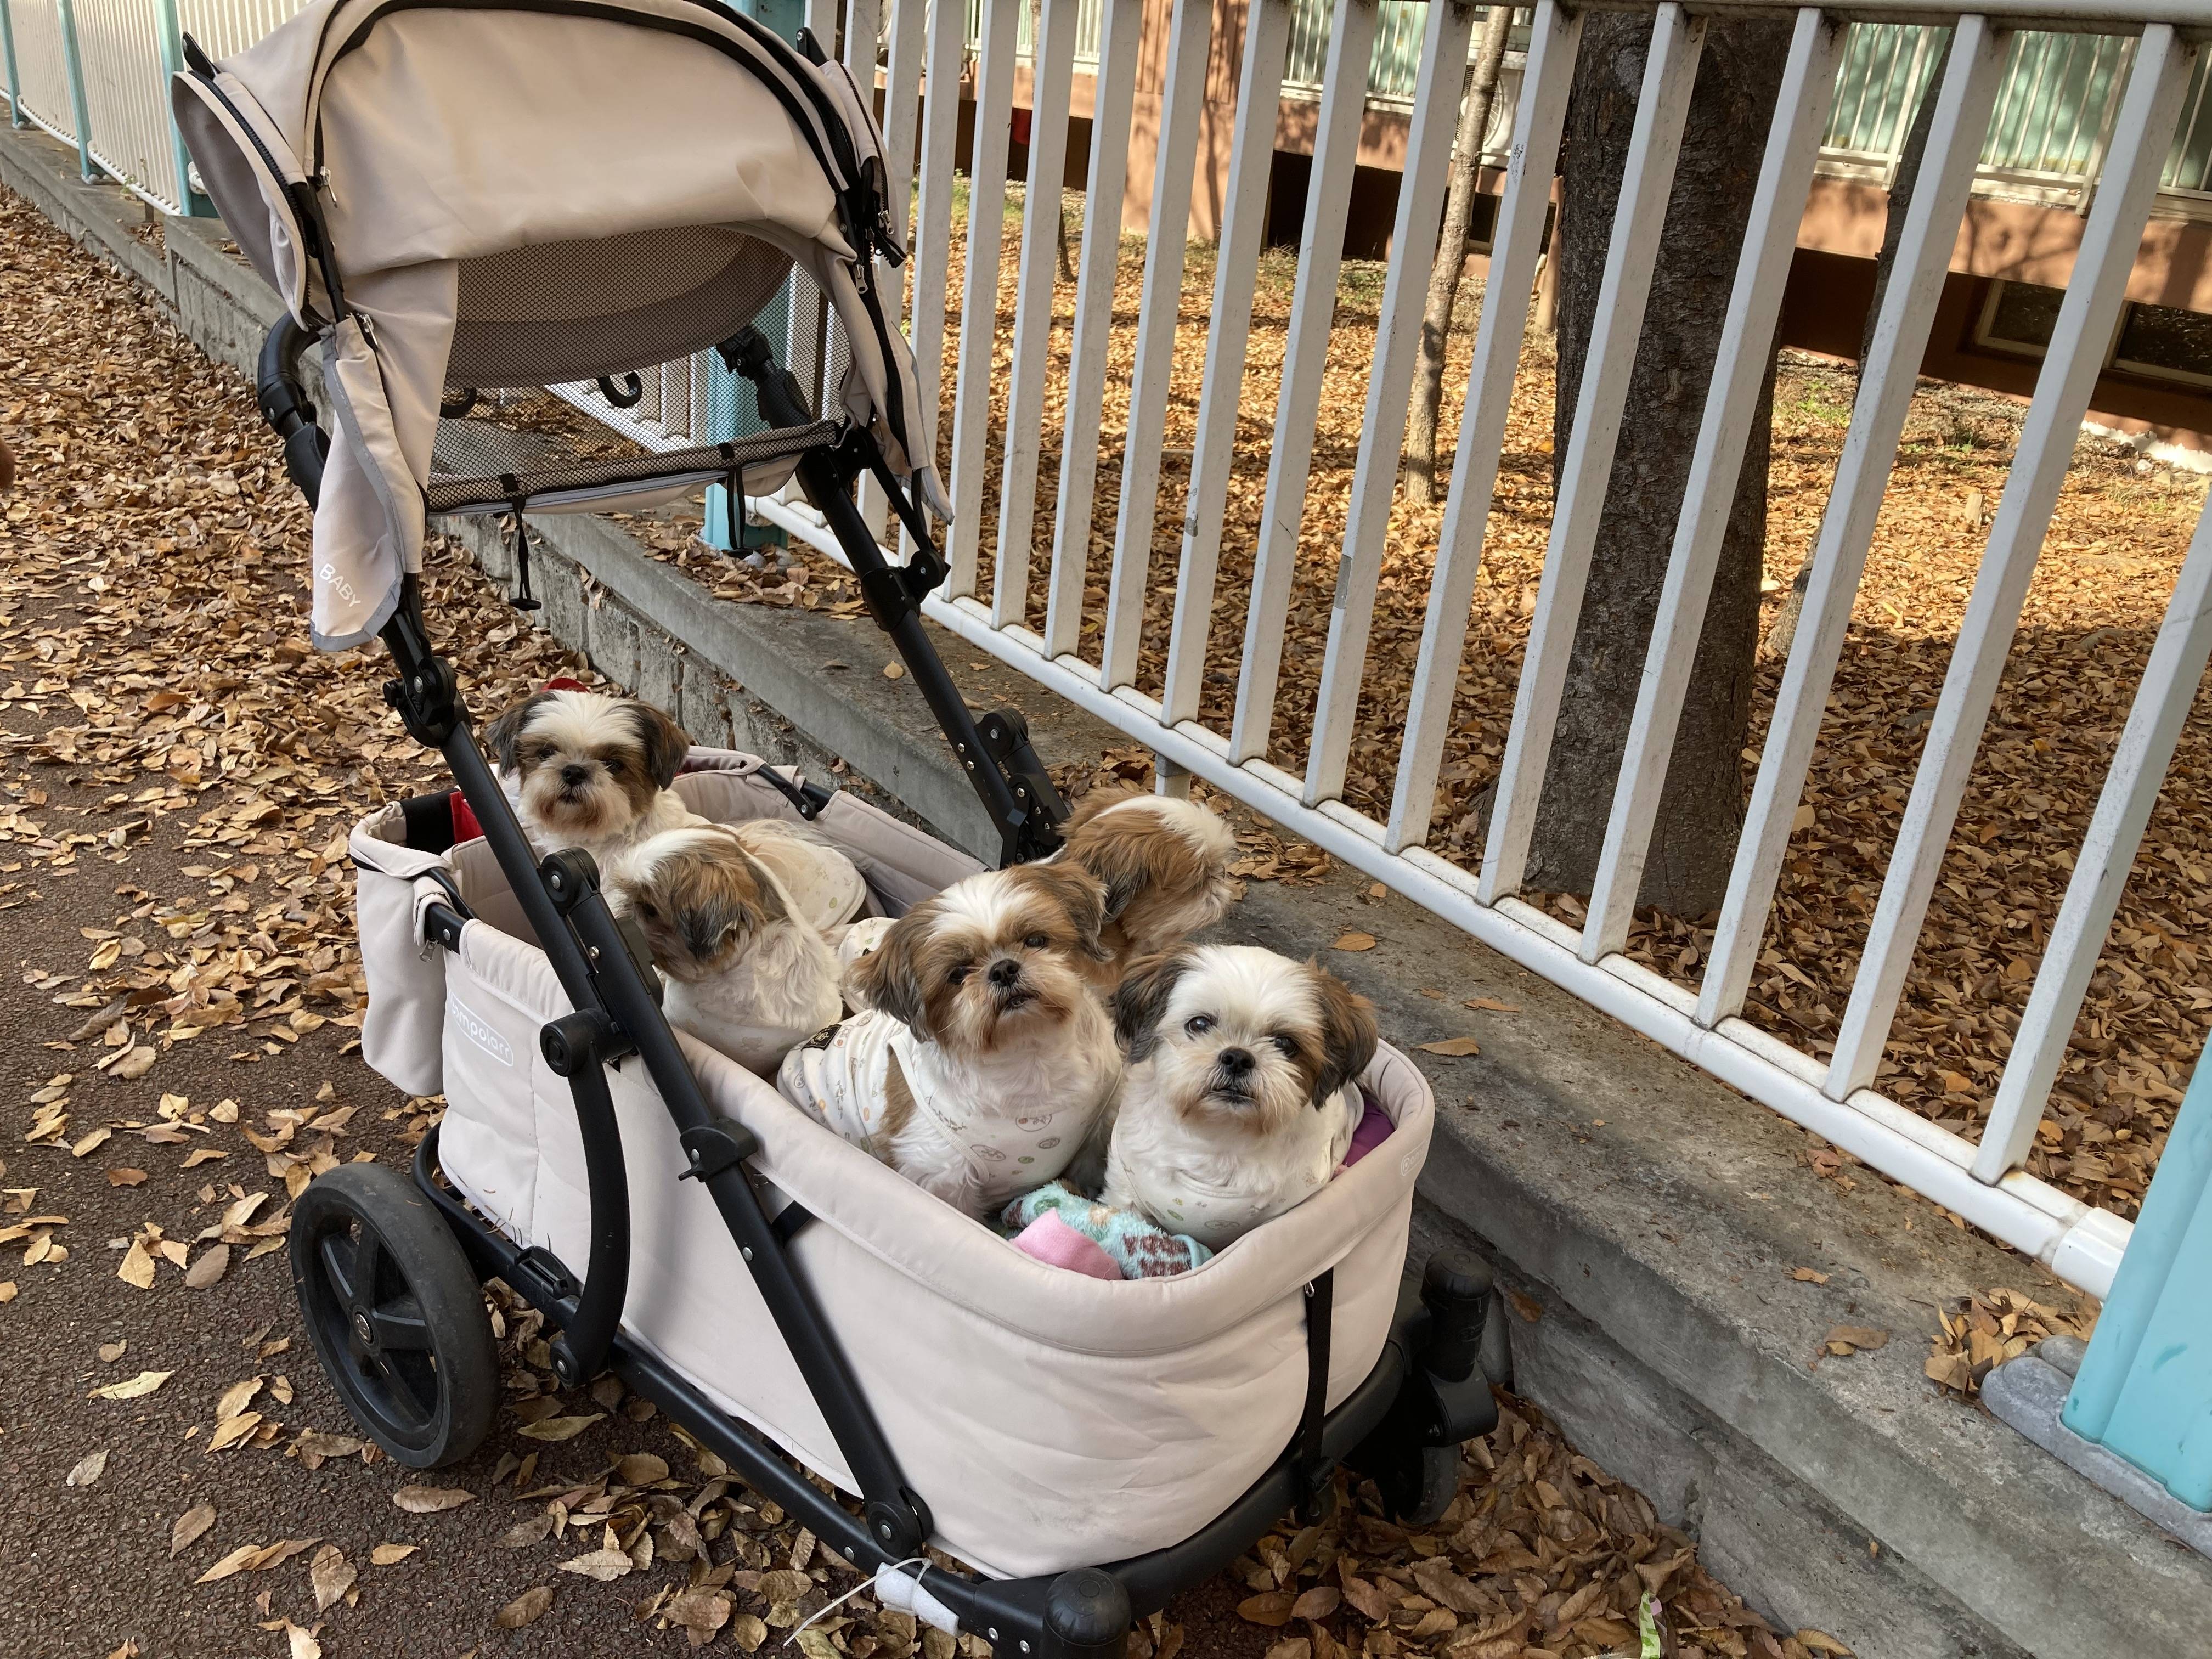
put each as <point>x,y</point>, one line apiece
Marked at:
<point>2162,75</point>
<point>1081,629</point>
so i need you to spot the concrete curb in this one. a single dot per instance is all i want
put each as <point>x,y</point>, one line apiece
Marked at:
<point>1646,1219</point>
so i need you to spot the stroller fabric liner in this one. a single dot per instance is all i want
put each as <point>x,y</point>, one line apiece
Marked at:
<point>1053,1419</point>
<point>479,232</point>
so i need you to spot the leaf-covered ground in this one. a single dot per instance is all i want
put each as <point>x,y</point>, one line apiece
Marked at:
<point>178,771</point>
<point>2115,547</point>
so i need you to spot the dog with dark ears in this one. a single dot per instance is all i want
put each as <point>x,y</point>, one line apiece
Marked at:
<point>982,1057</point>
<point>590,771</point>
<point>1241,1092</point>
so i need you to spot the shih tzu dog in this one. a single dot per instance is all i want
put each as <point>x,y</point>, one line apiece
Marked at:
<point>748,972</point>
<point>1165,864</point>
<point>1241,1091</point>
<point>982,1057</point>
<point>590,771</point>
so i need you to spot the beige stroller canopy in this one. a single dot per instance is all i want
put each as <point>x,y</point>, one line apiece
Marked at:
<point>523,195</point>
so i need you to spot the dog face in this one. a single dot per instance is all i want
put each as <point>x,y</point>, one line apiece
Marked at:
<point>991,961</point>
<point>700,899</point>
<point>1165,864</point>
<point>1241,1037</point>
<point>590,765</point>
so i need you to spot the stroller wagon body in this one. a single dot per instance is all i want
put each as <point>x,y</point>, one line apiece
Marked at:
<point>390,165</point>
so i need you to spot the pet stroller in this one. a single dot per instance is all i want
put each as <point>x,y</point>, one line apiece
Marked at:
<point>530,193</point>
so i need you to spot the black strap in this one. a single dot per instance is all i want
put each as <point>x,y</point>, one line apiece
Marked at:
<point>1313,1465</point>
<point>788,1220</point>
<point>524,599</point>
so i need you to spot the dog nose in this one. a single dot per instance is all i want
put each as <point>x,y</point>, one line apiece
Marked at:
<point>573,776</point>
<point>1235,1061</point>
<point>1006,971</point>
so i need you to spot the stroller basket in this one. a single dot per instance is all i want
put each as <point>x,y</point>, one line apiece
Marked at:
<point>800,1300</point>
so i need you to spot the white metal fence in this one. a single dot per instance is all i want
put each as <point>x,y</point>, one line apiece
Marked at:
<point>1982,1182</point>
<point>1049,384</point>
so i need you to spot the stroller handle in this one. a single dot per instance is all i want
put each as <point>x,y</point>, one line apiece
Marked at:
<point>284,405</point>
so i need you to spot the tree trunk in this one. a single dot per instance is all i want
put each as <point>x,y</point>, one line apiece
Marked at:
<point>1701,812</point>
<point>1420,457</point>
<point>1784,632</point>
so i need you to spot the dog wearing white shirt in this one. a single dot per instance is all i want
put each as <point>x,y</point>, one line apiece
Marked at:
<point>983,1058</point>
<point>1241,1089</point>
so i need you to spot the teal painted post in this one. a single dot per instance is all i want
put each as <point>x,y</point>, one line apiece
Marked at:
<point>80,111</point>
<point>173,63</point>
<point>16,116</point>
<point>731,412</point>
<point>2144,1391</point>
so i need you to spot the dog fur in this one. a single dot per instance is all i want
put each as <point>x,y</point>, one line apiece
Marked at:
<point>1165,864</point>
<point>747,973</point>
<point>1241,1093</point>
<point>1000,1054</point>
<point>590,771</point>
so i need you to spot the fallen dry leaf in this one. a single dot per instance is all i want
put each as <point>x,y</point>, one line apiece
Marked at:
<point>641,1469</point>
<point>1354,941</point>
<point>300,1643</point>
<point>111,1351</point>
<point>1269,1607</point>
<point>1491,1005</point>
<point>386,1555</point>
<point>133,1389</point>
<point>235,1398</point>
<point>331,1575</point>
<point>88,1469</point>
<point>1807,1276</point>
<point>209,1268</point>
<point>1458,1047</point>
<point>126,1177</point>
<point>190,1525</point>
<point>236,1562</point>
<point>559,1428</point>
<point>602,1564</point>
<point>1846,1339</point>
<point>430,1500</point>
<point>138,1267</point>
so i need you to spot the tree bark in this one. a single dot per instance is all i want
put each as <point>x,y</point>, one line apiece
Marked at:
<point>1420,457</point>
<point>1701,812</point>
<point>1784,632</point>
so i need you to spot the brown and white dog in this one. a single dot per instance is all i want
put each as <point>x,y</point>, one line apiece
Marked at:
<point>590,771</point>
<point>1241,1090</point>
<point>747,972</point>
<point>1165,864</point>
<point>982,1057</point>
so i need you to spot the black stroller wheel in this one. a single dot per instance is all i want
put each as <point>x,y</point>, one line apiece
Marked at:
<point>395,1316</point>
<point>1418,1483</point>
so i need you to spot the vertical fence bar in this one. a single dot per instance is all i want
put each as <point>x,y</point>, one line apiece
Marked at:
<point>1839,555</point>
<point>1235,276</point>
<point>1052,80</point>
<point>979,293</point>
<point>1523,214</point>
<point>1114,88</point>
<point>1793,146</point>
<point>172,37</point>
<point>932,219</point>
<point>1305,362</point>
<point>16,119</point>
<point>2086,319</point>
<point>1442,75</point>
<point>1662,107</point>
<point>2146,748</point>
<point>902,108</point>
<point>80,108</point>
<point>1182,115</point>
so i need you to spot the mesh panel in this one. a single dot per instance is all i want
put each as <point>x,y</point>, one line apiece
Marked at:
<point>569,310</point>
<point>480,467</point>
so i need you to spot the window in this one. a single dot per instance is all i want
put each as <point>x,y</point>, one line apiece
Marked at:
<point>2157,343</point>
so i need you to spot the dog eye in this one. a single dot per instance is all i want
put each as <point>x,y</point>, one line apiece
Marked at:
<point>1198,1025</point>
<point>1037,941</point>
<point>613,764</point>
<point>959,976</point>
<point>1288,1049</point>
<point>647,908</point>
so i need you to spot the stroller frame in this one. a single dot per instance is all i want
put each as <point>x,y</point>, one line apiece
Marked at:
<point>1402,1423</point>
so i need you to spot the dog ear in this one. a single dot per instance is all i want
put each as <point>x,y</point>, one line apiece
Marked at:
<point>664,743</point>
<point>1142,997</point>
<point>504,733</point>
<point>888,979</point>
<point>1082,896</point>
<point>1347,1035</point>
<point>1116,859</point>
